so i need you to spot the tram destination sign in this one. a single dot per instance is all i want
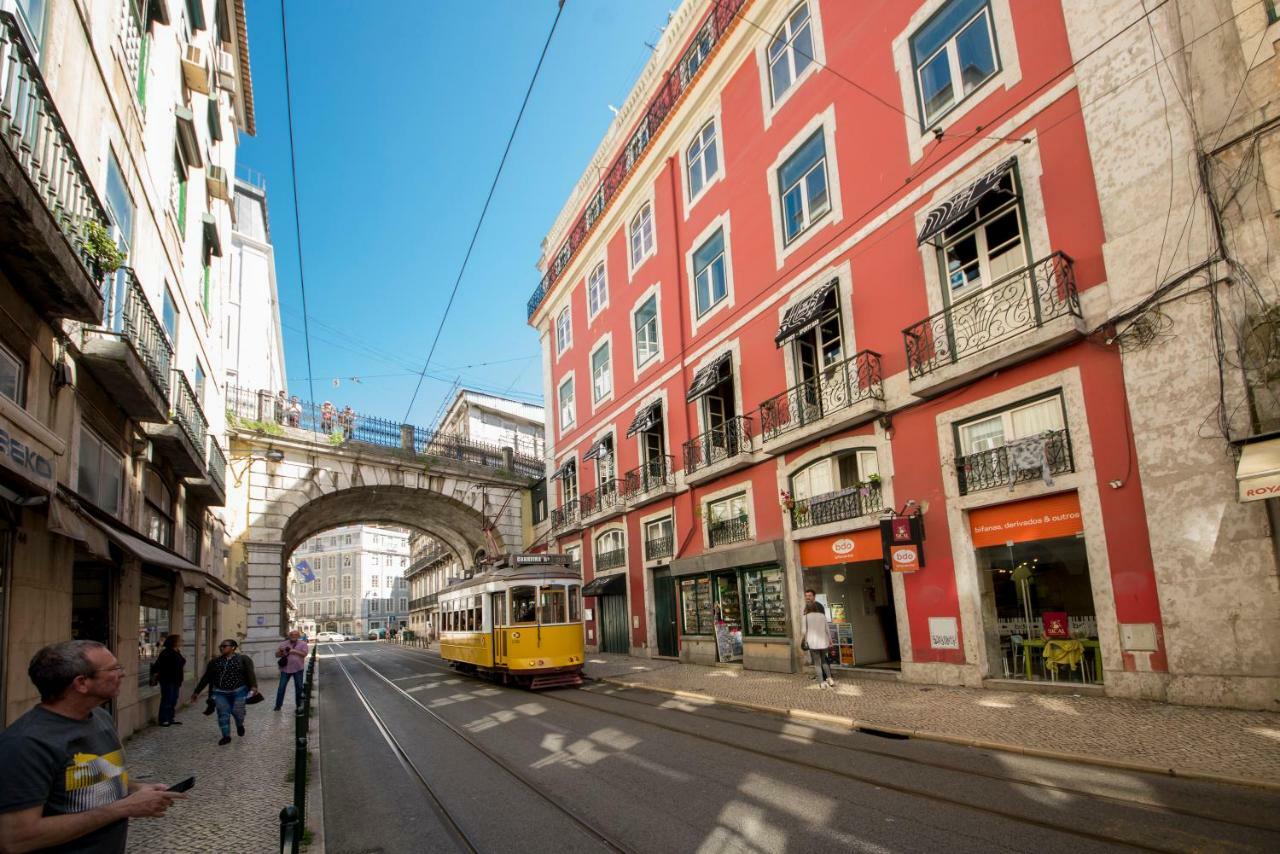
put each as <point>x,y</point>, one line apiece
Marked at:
<point>539,560</point>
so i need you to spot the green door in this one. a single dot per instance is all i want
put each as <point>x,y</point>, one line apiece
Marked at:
<point>664,607</point>
<point>614,630</point>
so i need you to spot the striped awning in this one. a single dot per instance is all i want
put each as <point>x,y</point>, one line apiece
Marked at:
<point>566,468</point>
<point>600,448</point>
<point>804,315</point>
<point>708,377</point>
<point>949,212</point>
<point>646,419</point>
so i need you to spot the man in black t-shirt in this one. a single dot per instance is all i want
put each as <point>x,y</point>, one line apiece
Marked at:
<point>64,785</point>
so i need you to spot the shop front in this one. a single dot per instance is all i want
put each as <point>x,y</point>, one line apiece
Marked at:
<point>847,574</point>
<point>1040,617</point>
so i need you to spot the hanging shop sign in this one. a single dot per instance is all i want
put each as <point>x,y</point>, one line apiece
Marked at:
<point>852,547</point>
<point>1025,521</point>
<point>26,456</point>
<point>902,542</point>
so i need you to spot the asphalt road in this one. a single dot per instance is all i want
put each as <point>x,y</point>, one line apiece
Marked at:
<point>418,758</point>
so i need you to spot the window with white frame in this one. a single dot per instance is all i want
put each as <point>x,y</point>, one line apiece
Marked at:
<point>610,541</point>
<point>790,51</point>
<point>802,187</point>
<point>597,290</point>
<point>985,244</point>
<point>346,582</point>
<point>709,282</point>
<point>658,539</point>
<point>818,351</point>
<point>952,55</point>
<point>13,375</point>
<point>100,471</point>
<point>564,331</point>
<point>574,554</point>
<point>331,585</point>
<point>567,413</point>
<point>642,235</point>
<point>601,375</point>
<point>646,330</point>
<point>702,161</point>
<point>373,581</point>
<point>840,471</point>
<point>1019,422</point>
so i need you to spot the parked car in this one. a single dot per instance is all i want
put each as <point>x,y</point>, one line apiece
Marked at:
<point>350,637</point>
<point>377,634</point>
<point>330,637</point>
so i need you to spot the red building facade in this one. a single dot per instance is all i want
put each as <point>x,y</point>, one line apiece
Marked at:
<point>840,267</point>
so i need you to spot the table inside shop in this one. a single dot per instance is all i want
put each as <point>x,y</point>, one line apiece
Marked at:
<point>1090,645</point>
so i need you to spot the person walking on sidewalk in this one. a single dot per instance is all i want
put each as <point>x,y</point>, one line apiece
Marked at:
<point>64,786</point>
<point>167,671</point>
<point>231,679</point>
<point>816,639</point>
<point>292,655</point>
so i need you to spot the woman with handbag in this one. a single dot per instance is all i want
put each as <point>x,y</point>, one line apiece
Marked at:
<point>816,639</point>
<point>231,682</point>
<point>167,672</point>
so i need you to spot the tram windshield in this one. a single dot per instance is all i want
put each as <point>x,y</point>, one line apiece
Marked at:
<point>551,607</point>
<point>575,603</point>
<point>523,604</point>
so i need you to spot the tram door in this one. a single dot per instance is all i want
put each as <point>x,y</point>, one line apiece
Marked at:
<point>498,601</point>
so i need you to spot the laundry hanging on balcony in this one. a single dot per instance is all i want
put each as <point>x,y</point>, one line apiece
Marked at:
<point>1029,455</point>
<point>599,450</point>
<point>805,315</point>
<point>646,419</point>
<point>949,212</point>
<point>708,377</point>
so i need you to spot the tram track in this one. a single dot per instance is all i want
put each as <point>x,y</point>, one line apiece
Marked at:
<point>1199,843</point>
<point>572,815</point>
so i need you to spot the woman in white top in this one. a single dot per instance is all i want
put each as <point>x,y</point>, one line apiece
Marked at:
<point>817,640</point>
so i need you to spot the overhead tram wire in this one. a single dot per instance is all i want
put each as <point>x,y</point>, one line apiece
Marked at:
<point>297,215</point>
<point>483,211</point>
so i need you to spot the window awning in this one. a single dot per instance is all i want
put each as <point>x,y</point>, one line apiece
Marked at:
<point>149,553</point>
<point>603,584</point>
<point>158,12</point>
<point>565,469</point>
<point>708,377</point>
<point>212,242</point>
<point>646,419</point>
<point>804,315</point>
<point>949,212</point>
<point>1259,472</point>
<point>188,142</point>
<point>599,449</point>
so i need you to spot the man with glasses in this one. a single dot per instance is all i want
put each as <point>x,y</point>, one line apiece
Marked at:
<point>64,784</point>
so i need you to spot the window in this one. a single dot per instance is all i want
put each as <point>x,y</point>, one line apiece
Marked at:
<point>1019,422</point>
<point>157,509</point>
<point>199,384</point>
<point>373,581</point>
<point>695,606</point>
<point>169,315</point>
<point>375,606</point>
<point>331,585</point>
<point>155,598</point>
<point>347,539</point>
<point>346,560</point>
<point>566,404</point>
<point>658,539</point>
<point>802,184</point>
<point>766,613</point>
<point>601,376</point>
<point>610,541</point>
<point>574,553</point>
<point>522,604</point>
<point>953,54</point>
<point>646,327</point>
<point>734,507</point>
<point>100,472</point>
<point>816,352</point>
<point>13,382</point>
<point>564,331</point>
<point>346,581</point>
<point>642,235</point>
<point>346,607</point>
<point>32,18</point>
<point>404,604</point>
<point>552,605</point>
<point>841,471</point>
<point>701,160</point>
<point>790,51</point>
<point>597,291</point>
<point>985,244</point>
<point>178,193</point>
<point>575,603</point>
<point>709,273</point>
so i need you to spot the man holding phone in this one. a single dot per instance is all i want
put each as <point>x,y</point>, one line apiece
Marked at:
<point>65,786</point>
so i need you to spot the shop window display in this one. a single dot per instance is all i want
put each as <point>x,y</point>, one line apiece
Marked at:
<point>766,608</point>
<point>695,605</point>
<point>728,623</point>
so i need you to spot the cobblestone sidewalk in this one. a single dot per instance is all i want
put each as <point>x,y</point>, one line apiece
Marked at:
<point>240,788</point>
<point>1187,739</point>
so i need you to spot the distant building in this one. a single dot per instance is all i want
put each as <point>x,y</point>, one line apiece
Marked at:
<point>252,342</point>
<point>357,584</point>
<point>432,565</point>
<point>496,420</point>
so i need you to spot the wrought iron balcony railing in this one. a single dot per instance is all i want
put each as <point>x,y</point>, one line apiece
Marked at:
<point>648,477</point>
<point>32,128</point>
<point>217,464</point>
<point>600,500</point>
<point>128,312</point>
<point>659,547</point>
<point>718,444</point>
<point>188,414</point>
<point>837,506</point>
<point>998,466</point>
<point>840,386</point>
<point>611,559</point>
<point>565,515</point>
<point>678,78</point>
<point>726,531</point>
<point>1017,303</point>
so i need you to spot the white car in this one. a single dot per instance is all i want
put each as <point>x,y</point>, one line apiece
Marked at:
<point>330,637</point>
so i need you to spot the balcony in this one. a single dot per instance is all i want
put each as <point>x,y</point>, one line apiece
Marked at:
<point>601,503</point>
<point>718,451</point>
<point>649,482</point>
<point>659,547</point>
<point>838,506</point>
<point>1015,318</point>
<point>847,394</point>
<point>566,518</point>
<point>47,201</point>
<point>130,353</point>
<point>182,440</point>
<point>725,531</point>
<point>615,559</point>
<point>1000,467</point>
<point>212,488</point>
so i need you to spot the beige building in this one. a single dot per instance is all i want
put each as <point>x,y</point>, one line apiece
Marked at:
<point>115,186</point>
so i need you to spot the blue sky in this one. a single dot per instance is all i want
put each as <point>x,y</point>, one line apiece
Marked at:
<point>400,118</point>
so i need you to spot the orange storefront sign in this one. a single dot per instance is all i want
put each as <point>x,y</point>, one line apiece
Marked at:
<point>1024,521</point>
<point>853,547</point>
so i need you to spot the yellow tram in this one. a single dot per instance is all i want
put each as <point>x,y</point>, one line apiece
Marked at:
<point>516,623</point>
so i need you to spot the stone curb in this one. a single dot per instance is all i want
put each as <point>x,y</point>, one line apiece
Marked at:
<point>944,738</point>
<point>315,792</point>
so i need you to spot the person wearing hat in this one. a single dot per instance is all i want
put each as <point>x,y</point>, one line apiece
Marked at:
<point>231,679</point>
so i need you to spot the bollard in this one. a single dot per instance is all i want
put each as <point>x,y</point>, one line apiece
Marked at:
<point>300,781</point>
<point>290,831</point>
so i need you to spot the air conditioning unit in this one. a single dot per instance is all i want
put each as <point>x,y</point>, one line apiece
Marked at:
<point>195,70</point>
<point>226,70</point>
<point>216,182</point>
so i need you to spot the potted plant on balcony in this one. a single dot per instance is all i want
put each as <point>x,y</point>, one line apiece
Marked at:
<point>101,249</point>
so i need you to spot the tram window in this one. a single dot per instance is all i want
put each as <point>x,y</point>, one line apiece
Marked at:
<point>523,600</point>
<point>552,606</point>
<point>575,603</point>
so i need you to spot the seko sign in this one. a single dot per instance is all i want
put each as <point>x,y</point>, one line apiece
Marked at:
<point>24,456</point>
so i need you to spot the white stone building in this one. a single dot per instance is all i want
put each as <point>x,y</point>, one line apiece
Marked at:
<point>358,581</point>
<point>498,421</point>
